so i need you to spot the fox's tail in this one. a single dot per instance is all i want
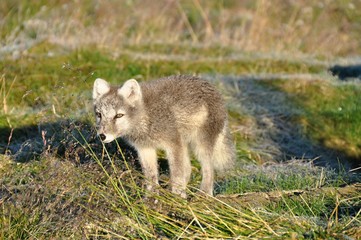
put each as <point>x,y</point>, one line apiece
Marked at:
<point>224,151</point>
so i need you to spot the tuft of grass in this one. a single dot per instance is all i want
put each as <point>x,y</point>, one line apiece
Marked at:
<point>39,199</point>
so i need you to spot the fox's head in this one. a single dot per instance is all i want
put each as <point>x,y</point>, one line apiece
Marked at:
<point>116,108</point>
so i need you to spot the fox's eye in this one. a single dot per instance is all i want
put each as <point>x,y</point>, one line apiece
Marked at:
<point>98,114</point>
<point>119,115</point>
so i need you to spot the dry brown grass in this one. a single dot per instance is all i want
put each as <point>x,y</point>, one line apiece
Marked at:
<point>324,28</point>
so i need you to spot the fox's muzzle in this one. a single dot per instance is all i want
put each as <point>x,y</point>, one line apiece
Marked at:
<point>106,138</point>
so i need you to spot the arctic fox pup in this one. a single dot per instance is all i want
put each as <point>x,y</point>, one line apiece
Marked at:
<point>171,114</point>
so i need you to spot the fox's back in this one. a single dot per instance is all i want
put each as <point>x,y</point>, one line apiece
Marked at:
<point>184,102</point>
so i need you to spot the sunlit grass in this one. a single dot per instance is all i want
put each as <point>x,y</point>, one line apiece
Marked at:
<point>55,84</point>
<point>331,112</point>
<point>105,198</point>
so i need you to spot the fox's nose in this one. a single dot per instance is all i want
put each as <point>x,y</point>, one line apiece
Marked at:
<point>102,137</point>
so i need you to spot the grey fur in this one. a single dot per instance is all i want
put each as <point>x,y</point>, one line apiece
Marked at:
<point>172,114</point>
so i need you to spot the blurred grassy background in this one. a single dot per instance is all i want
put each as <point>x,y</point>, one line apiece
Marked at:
<point>320,28</point>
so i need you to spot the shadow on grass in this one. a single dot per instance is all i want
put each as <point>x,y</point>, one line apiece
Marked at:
<point>277,132</point>
<point>68,139</point>
<point>345,73</point>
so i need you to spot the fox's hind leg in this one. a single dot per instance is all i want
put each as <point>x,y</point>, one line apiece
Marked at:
<point>214,152</point>
<point>204,154</point>
<point>203,146</point>
<point>180,168</point>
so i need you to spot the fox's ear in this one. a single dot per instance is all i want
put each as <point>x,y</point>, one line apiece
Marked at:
<point>100,88</point>
<point>131,91</point>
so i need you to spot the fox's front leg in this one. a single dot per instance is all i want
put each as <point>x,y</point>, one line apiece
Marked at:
<point>149,163</point>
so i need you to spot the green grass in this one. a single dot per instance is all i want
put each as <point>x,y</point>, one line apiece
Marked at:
<point>107,199</point>
<point>331,112</point>
<point>71,187</point>
<point>39,82</point>
<point>13,13</point>
<point>286,177</point>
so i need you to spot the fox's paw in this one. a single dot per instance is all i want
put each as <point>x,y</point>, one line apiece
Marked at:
<point>181,192</point>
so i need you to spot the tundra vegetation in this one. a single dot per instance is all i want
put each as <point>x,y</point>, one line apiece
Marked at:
<point>287,70</point>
